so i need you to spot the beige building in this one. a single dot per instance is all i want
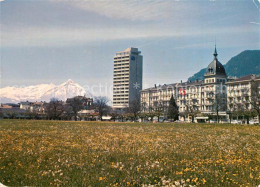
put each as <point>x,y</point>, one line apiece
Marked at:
<point>201,96</point>
<point>32,106</point>
<point>239,92</point>
<point>127,78</point>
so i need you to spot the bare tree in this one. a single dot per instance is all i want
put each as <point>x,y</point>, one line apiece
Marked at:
<point>219,104</point>
<point>68,113</point>
<point>159,110</point>
<point>54,109</point>
<point>101,105</point>
<point>191,108</point>
<point>134,108</point>
<point>143,116</point>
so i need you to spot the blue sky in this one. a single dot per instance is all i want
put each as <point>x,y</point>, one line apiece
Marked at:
<point>55,40</point>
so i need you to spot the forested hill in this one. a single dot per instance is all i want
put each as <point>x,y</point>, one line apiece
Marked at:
<point>246,62</point>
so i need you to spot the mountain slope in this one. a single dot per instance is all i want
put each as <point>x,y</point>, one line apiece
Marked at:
<point>245,63</point>
<point>41,92</point>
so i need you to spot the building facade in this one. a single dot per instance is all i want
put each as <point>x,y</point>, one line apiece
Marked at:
<point>206,96</point>
<point>36,107</point>
<point>127,77</point>
<point>240,92</point>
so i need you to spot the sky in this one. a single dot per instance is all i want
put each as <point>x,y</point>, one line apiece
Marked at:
<point>50,41</point>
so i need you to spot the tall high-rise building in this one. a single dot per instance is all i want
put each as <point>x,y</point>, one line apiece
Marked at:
<point>128,77</point>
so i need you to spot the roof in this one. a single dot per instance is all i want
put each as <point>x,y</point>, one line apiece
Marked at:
<point>26,103</point>
<point>38,103</point>
<point>173,85</point>
<point>194,83</point>
<point>245,78</point>
<point>215,67</point>
<point>5,106</point>
<point>159,87</point>
<point>12,110</point>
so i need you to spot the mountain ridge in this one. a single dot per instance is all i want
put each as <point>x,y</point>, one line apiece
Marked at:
<point>42,92</point>
<point>245,63</point>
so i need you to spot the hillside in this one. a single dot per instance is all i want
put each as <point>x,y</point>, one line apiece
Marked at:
<point>246,62</point>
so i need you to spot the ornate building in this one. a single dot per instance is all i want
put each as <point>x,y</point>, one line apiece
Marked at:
<point>206,96</point>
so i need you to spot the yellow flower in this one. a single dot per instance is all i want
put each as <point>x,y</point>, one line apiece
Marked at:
<point>179,173</point>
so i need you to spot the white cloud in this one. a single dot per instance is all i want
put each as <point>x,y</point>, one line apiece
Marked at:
<point>125,9</point>
<point>36,36</point>
<point>256,23</point>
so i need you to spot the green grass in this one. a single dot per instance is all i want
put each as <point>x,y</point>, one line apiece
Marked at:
<point>44,153</point>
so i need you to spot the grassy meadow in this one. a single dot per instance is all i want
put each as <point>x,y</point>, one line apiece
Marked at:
<point>59,153</point>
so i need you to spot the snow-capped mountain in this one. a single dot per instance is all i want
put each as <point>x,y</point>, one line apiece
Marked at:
<point>42,92</point>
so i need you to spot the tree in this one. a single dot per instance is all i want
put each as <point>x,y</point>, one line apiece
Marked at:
<point>68,114</point>
<point>191,109</point>
<point>219,104</point>
<point>255,97</point>
<point>158,114</point>
<point>76,104</point>
<point>143,116</point>
<point>54,109</point>
<point>114,116</point>
<point>159,111</point>
<point>151,115</point>
<point>231,111</point>
<point>173,112</point>
<point>101,106</point>
<point>134,108</point>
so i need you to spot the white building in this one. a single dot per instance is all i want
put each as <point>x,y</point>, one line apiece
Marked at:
<point>26,105</point>
<point>128,77</point>
<point>198,96</point>
<point>239,92</point>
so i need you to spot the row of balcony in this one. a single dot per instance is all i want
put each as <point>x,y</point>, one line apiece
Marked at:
<point>120,88</point>
<point>121,73</point>
<point>121,64</point>
<point>120,97</point>
<point>121,81</point>
<point>121,55</point>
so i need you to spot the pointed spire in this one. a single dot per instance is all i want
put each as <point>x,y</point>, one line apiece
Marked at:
<point>215,53</point>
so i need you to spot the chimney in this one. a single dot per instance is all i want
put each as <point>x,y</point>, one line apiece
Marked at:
<point>181,81</point>
<point>155,85</point>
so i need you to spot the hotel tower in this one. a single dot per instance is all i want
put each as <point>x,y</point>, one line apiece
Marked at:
<point>128,77</point>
